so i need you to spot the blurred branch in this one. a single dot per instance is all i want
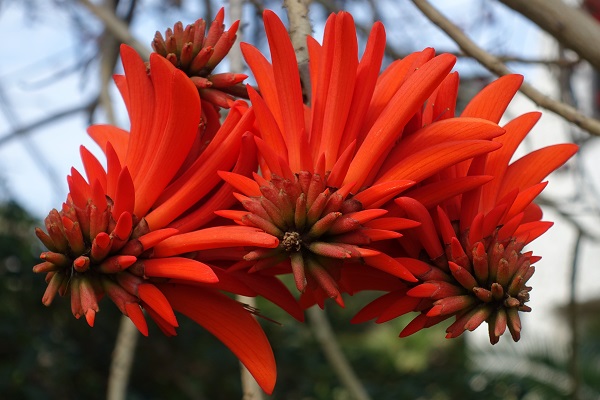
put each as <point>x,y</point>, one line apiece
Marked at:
<point>122,359</point>
<point>109,54</point>
<point>573,321</point>
<point>236,61</point>
<point>545,201</point>
<point>326,338</point>
<point>24,130</point>
<point>208,11</point>
<point>571,26</point>
<point>38,156</point>
<point>561,62</point>
<point>497,67</point>
<point>117,27</point>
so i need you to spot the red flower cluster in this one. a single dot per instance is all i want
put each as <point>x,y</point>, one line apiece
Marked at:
<point>375,185</point>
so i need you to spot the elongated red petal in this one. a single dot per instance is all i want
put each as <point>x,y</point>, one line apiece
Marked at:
<point>179,268</point>
<point>535,166</point>
<point>396,114</point>
<point>231,324</point>
<point>155,299</point>
<point>491,102</point>
<point>217,237</point>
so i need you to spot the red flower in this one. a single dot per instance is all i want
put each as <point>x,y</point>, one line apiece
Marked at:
<point>105,240</point>
<point>197,54</point>
<point>468,251</point>
<point>327,170</point>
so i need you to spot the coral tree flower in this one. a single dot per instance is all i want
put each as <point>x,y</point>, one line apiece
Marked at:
<point>326,171</point>
<point>103,240</point>
<point>468,253</point>
<point>198,53</point>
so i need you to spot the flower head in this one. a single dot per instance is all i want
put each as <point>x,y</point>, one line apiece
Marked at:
<point>468,251</point>
<point>105,239</point>
<point>329,169</point>
<point>198,53</point>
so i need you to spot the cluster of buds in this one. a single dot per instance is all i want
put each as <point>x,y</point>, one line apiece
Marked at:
<point>197,52</point>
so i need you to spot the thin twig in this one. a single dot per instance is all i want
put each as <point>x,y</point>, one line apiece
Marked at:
<point>326,338</point>
<point>495,66</point>
<point>122,359</point>
<point>117,27</point>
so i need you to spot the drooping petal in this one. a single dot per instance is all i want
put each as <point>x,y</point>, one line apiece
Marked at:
<point>231,324</point>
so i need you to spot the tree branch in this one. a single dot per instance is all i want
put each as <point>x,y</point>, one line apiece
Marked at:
<point>326,338</point>
<point>117,27</point>
<point>23,130</point>
<point>122,359</point>
<point>300,28</point>
<point>571,26</point>
<point>494,65</point>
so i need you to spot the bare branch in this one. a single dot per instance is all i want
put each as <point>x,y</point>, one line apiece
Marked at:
<point>23,130</point>
<point>571,26</point>
<point>122,360</point>
<point>338,361</point>
<point>117,27</point>
<point>300,28</point>
<point>494,65</point>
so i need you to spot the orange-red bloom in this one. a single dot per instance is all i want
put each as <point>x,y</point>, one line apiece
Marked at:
<point>468,250</point>
<point>110,236</point>
<point>328,169</point>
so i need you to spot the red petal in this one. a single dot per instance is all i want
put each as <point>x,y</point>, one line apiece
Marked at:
<point>287,81</point>
<point>434,158</point>
<point>377,306</point>
<point>93,168</point>
<point>216,237</point>
<point>136,316</point>
<point>231,324</point>
<point>173,132</point>
<point>396,114</point>
<point>117,137</point>
<point>155,299</point>
<point>179,268</point>
<point>491,102</point>
<point>340,89</point>
<point>535,166</point>
<point>366,78</point>
<point>498,161</point>
<point>435,193</point>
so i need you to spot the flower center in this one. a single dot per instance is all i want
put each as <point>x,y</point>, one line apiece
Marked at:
<point>292,241</point>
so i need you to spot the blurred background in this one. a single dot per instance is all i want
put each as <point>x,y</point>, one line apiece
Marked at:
<point>56,62</point>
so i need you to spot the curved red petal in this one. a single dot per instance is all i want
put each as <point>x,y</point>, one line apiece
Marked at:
<point>231,324</point>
